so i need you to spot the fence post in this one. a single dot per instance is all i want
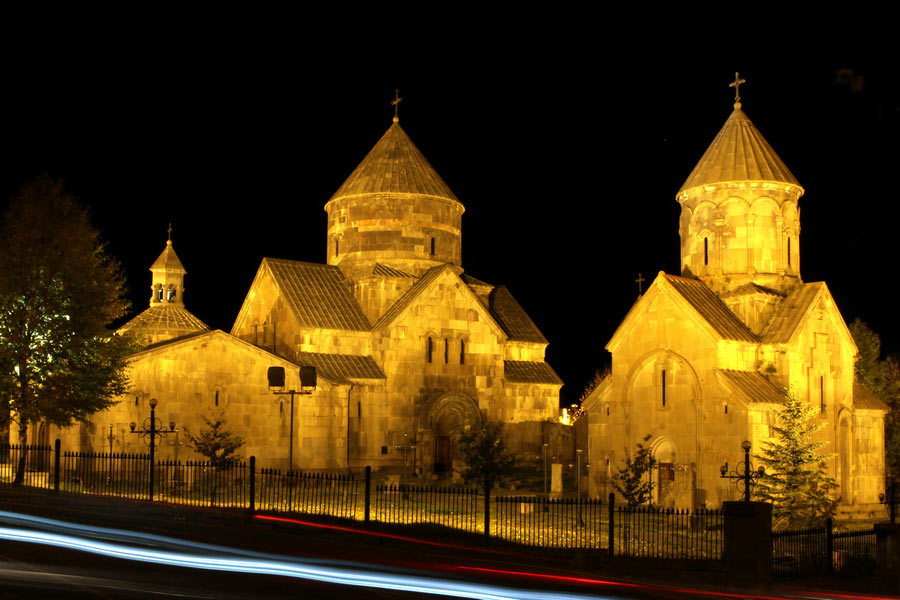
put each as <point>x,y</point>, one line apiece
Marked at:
<point>56,447</point>
<point>252,484</point>
<point>829,546</point>
<point>487,509</point>
<point>368,495</point>
<point>612,525</point>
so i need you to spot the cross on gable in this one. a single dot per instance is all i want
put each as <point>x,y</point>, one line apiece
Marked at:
<point>640,281</point>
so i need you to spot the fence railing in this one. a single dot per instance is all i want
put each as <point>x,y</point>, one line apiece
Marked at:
<point>309,493</point>
<point>823,551</point>
<point>458,508</point>
<point>647,531</point>
<point>551,522</point>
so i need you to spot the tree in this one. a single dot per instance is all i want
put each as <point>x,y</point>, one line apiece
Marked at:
<point>882,378</point>
<point>630,480</point>
<point>482,449</point>
<point>59,293</point>
<point>215,443</point>
<point>795,481</point>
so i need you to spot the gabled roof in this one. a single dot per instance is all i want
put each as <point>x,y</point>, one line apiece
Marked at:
<point>317,295</point>
<point>342,367</point>
<point>386,271</point>
<point>864,399</point>
<point>166,317</point>
<point>513,318</point>
<point>219,335</point>
<point>168,260</point>
<point>753,386</point>
<point>395,166</point>
<point>429,277</point>
<point>739,153</point>
<point>792,313</point>
<point>711,308</point>
<point>752,288</point>
<point>520,371</point>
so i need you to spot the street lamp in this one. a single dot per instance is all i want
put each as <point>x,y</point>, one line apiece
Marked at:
<point>745,474</point>
<point>307,387</point>
<point>152,427</point>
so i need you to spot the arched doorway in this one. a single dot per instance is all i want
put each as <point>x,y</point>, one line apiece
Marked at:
<point>664,490</point>
<point>441,416</point>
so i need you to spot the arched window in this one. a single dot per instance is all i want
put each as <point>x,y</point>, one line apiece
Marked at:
<point>217,397</point>
<point>789,250</point>
<point>159,294</point>
<point>662,381</point>
<point>429,349</point>
<point>337,245</point>
<point>446,350</point>
<point>462,352</point>
<point>705,251</point>
<point>170,293</point>
<point>432,246</point>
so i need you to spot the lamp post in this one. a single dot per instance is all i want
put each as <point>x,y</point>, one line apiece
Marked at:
<point>152,427</point>
<point>307,387</point>
<point>745,474</point>
<point>890,501</point>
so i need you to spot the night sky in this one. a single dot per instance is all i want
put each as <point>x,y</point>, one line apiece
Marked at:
<point>567,164</point>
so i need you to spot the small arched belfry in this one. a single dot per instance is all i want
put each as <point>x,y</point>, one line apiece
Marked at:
<point>702,360</point>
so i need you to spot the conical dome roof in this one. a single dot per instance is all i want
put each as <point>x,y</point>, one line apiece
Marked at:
<point>168,260</point>
<point>739,153</point>
<point>395,166</point>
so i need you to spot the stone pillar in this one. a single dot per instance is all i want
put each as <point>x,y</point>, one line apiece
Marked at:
<point>556,480</point>
<point>887,549</point>
<point>748,542</point>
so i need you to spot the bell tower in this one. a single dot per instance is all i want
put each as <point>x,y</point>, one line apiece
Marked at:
<point>168,277</point>
<point>740,221</point>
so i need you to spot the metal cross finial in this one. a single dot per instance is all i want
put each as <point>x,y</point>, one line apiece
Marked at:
<point>736,84</point>
<point>170,232</point>
<point>396,104</point>
<point>640,281</point>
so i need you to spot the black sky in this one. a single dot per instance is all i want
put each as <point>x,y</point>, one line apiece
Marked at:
<point>567,163</point>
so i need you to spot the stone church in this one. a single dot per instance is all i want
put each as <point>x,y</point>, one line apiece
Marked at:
<point>407,346</point>
<point>702,360</point>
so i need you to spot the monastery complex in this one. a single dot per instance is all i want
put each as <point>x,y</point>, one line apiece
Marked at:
<point>702,360</point>
<point>407,346</point>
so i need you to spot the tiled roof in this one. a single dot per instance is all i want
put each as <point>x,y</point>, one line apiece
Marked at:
<point>738,153</point>
<point>754,387</point>
<point>404,300</point>
<point>386,271</point>
<point>791,313</point>
<point>473,281</point>
<point>317,295</point>
<point>341,367</point>
<point>513,318</point>
<point>753,288</point>
<point>520,371</point>
<point>395,166</point>
<point>863,398</point>
<point>164,317</point>
<point>711,308</point>
<point>168,260</point>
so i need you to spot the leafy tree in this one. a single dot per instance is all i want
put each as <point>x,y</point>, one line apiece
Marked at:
<point>795,482</point>
<point>215,443</point>
<point>882,378</point>
<point>630,481</point>
<point>482,449</point>
<point>597,378</point>
<point>59,293</point>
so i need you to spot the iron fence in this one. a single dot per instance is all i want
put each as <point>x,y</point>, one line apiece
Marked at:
<point>202,483</point>
<point>459,508</point>
<point>37,468</point>
<point>308,493</point>
<point>103,474</point>
<point>652,532</point>
<point>823,551</point>
<point>551,522</point>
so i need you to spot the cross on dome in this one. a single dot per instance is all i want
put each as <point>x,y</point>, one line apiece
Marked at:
<point>736,84</point>
<point>396,104</point>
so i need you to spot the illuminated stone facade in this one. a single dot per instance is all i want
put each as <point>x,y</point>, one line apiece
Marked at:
<point>407,346</point>
<point>701,361</point>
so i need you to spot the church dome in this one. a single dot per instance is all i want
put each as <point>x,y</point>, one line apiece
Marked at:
<point>394,210</point>
<point>395,166</point>
<point>738,153</point>
<point>163,322</point>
